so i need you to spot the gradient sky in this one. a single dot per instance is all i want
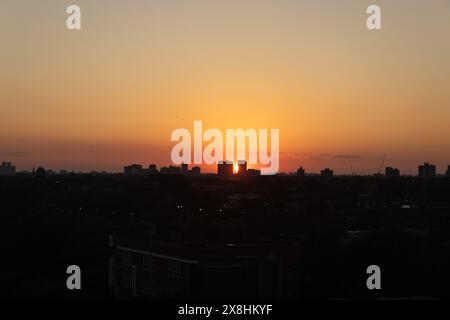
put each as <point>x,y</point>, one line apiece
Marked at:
<point>112,93</point>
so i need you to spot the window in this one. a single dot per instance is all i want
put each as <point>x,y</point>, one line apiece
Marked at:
<point>175,268</point>
<point>150,287</point>
<point>126,259</point>
<point>149,263</point>
<point>153,264</point>
<point>276,281</point>
<point>173,293</point>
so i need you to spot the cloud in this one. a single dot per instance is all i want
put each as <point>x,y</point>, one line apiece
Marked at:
<point>14,154</point>
<point>294,155</point>
<point>345,156</point>
<point>324,156</point>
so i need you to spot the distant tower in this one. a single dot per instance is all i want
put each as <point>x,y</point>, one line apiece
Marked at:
<point>242,167</point>
<point>133,170</point>
<point>225,168</point>
<point>390,172</point>
<point>152,169</point>
<point>301,172</point>
<point>196,171</point>
<point>7,169</point>
<point>427,170</point>
<point>447,173</point>
<point>41,172</point>
<point>326,173</point>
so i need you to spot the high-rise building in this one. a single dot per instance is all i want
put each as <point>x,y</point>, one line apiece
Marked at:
<point>171,170</point>
<point>133,170</point>
<point>427,170</point>
<point>447,173</point>
<point>152,169</point>
<point>6,169</point>
<point>326,173</point>
<point>242,167</point>
<point>390,172</point>
<point>301,172</point>
<point>184,169</point>
<point>225,168</point>
<point>196,171</point>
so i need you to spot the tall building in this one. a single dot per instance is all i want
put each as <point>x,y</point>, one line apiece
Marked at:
<point>184,169</point>
<point>152,169</point>
<point>242,167</point>
<point>390,172</point>
<point>427,170</point>
<point>225,168</point>
<point>178,270</point>
<point>133,170</point>
<point>171,170</point>
<point>301,172</point>
<point>447,173</point>
<point>326,173</point>
<point>6,169</point>
<point>196,171</point>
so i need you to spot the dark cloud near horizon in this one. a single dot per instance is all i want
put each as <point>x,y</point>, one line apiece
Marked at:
<point>324,156</point>
<point>342,156</point>
<point>14,154</point>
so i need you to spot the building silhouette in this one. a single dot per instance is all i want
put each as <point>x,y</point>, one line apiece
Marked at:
<point>447,173</point>
<point>427,170</point>
<point>301,172</point>
<point>7,169</point>
<point>181,270</point>
<point>242,167</point>
<point>41,172</point>
<point>138,170</point>
<point>326,173</point>
<point>171,170</point>
<point>225,168</point>
<point>390,172</point>
<point>133,170</point>
<point>152,169</point>
<point>196,171</point>
<point>253,172</point>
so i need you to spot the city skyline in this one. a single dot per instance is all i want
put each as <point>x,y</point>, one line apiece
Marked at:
<point>229,168</point>
<point>216,158</point>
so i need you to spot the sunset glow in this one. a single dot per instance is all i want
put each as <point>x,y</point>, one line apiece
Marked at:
<point>112,93</point>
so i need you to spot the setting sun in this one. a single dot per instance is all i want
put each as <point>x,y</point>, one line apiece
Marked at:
<point>235,168</point>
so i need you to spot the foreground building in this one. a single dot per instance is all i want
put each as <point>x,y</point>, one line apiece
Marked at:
<point>176,270</point>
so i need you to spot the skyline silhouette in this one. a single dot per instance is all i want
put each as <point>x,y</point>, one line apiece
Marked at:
<point>228,168</point>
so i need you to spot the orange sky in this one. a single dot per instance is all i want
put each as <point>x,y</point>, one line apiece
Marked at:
<point>112,93</point>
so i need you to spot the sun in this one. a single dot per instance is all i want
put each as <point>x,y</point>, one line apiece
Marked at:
<point>235,168</point>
